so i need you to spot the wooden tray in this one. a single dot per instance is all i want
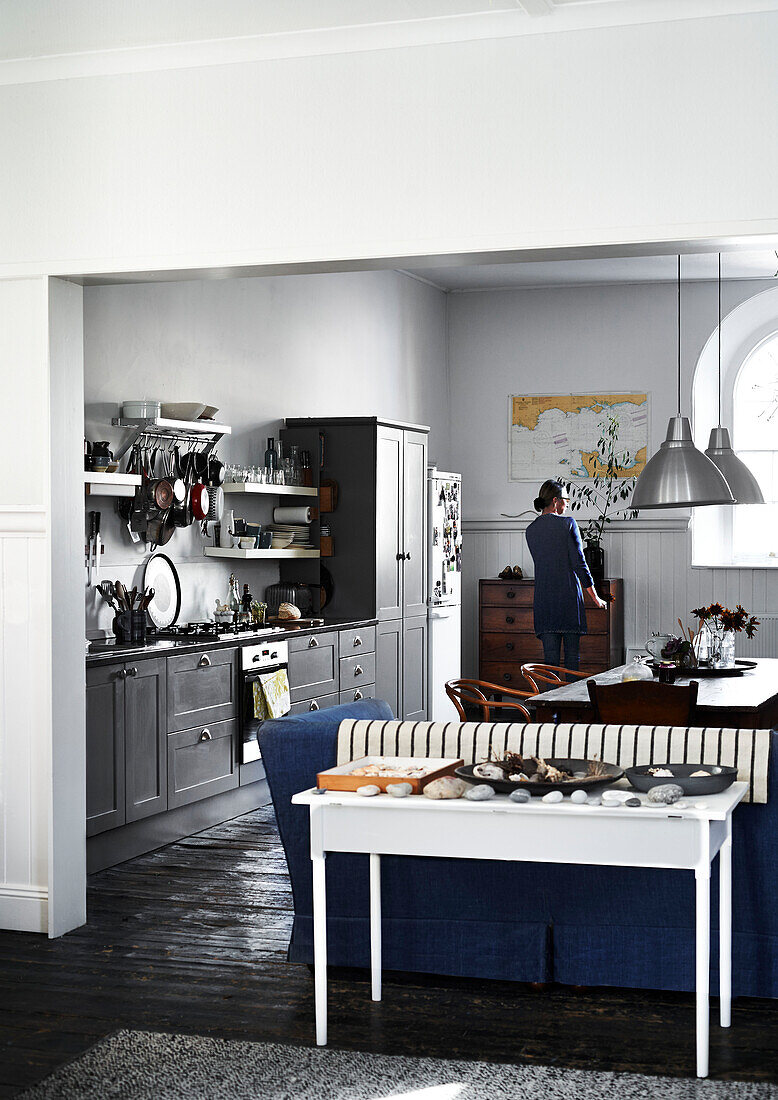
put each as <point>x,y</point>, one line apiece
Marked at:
<point>341,779</point>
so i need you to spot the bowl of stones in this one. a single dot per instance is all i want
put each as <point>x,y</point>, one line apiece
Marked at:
<point>538,776</point>
<point>693,779</point>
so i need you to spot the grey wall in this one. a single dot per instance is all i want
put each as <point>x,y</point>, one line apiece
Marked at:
<point>583,339</point>
<point>366,343</point>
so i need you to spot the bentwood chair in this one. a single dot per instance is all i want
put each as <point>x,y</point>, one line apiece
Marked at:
<point>554,675</point>
<point>474,703</point>
<point>643,701</point>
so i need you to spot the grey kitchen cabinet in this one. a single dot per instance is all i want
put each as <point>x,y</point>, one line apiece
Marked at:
<point>353,695</point>
<point>319,702</point>
<point>414,500</point>
<point>202,688</point>
<point>389,664</point>
<point>145,731</point>
<point>356,639</point>
<point>390,550</point>
<point>357,670</point>
<point>104,750</point>
<point>202,762</point>
<point>313,666</point>
<point>126,768</point>
<point>414,666</point>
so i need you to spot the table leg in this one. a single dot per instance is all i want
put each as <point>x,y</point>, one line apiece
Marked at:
<point>320,947</point>
<point>702,876</point>
<point>375,925</point>
<point>725,929</point>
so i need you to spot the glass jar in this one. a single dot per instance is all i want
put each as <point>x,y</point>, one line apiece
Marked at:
<point>727,652</point>
<point>638,670</point>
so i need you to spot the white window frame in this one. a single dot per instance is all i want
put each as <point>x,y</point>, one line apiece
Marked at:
<point>743,330</point>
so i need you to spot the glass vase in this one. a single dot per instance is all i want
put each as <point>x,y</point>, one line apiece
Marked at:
<point>727,652</point>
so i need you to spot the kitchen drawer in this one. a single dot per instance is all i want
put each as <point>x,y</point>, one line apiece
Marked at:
<point>520,619</point>
<point>201,688</point>
<point>509,647</point>
<point>357,670</point>
<point>320,702</point>
<point>360,639</point>
<point>507,673</point>
<point>597,619</point>
<point>202,762</point>
<point>313,666</point>
<point>353,695</point>
<point>507,595</point>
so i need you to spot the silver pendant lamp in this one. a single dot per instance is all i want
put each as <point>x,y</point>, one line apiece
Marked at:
<point>678,475</point>
<point>744,486</point>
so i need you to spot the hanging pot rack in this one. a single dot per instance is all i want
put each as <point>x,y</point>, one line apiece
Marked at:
<point>151,431</point>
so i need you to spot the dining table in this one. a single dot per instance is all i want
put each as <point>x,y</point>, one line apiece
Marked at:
<point>748,700</point>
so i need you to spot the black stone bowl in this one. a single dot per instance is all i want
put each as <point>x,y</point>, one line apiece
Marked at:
<point>542,786</point>
<point>719,779</point>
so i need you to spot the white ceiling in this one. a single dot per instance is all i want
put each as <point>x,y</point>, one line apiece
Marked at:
<point>36,29</point>
<point>633,269</point>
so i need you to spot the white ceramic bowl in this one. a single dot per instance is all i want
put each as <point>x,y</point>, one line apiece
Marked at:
<point>247,542</point>
<point>182,410</point>
<point>138,410</point>
<point>208,413</point>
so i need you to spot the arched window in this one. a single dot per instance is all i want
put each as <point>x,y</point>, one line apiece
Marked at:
<point>755,439</point>
<point>747,534</point>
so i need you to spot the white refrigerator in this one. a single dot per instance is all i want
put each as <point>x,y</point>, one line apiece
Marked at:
<point>444,603</point>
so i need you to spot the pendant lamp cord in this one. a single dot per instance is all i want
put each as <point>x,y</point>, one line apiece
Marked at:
<point>719,339</point>
<point>679,334</point>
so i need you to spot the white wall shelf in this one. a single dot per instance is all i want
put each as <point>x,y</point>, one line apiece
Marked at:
<point>223,552</point>
<point>269,490</point>
<point>110,485</point>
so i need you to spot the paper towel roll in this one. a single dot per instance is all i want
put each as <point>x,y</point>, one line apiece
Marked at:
<point>292,515</point>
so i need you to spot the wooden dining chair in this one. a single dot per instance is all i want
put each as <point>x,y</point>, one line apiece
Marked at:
<point>474,703</point>
<point>553,675</point>
<point>643,701</point>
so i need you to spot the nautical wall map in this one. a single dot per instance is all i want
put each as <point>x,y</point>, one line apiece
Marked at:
<point>555,435</point>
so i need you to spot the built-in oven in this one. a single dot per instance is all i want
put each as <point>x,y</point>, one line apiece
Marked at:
<point>256,661</point>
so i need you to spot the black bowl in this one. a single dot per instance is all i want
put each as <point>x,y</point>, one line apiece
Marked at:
<point>719,779</point>
<point>543,786</point>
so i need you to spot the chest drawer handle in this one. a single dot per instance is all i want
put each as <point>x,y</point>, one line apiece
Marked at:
<point>509,619</point>
<point>507,676</point>
<point>314,705</point>
<point>358,695</point>
<point>204,661</point>
<point>358,670</point>
<point>511,595</point>
<point>205,735</point>
<point>312,643</point>
<point>509,645</point>
<point>357,641</point>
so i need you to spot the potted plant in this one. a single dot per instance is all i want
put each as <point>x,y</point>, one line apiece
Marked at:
<point>604,492</point>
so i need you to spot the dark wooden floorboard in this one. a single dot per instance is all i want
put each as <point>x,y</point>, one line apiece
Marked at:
<point>192,939</point>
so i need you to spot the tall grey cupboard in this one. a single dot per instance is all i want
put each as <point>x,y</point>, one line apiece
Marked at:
<point>379,531</point>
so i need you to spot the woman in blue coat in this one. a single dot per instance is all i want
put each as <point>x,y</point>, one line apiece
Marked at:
<point>561,575</point>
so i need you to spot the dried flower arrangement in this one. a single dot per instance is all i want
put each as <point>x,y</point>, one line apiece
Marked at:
<point>532,769</point>
<point>720,618</point>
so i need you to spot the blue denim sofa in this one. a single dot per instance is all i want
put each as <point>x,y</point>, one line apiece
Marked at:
<point>523,922</point>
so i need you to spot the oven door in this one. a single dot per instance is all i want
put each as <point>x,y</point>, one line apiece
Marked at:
<point>249,724</point>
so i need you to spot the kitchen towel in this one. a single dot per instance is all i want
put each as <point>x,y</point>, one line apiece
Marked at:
<point>301,514</point>
<point>271,695</point>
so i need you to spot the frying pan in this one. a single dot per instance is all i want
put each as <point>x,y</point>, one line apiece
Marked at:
<point>198,498</point>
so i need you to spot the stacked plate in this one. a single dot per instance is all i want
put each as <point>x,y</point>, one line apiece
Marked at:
<point>297,536</point>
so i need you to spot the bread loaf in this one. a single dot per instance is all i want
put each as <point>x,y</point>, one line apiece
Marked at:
<point>288,611</point>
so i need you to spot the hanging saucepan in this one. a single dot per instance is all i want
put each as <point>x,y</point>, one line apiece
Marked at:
<point>163,494</point>
<point>215,503</point>
<point>215,471</point>
<point>198,499</point>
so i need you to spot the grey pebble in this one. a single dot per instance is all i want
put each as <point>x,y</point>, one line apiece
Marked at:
<point>632,802</point>
<point>368,790</point>
<point>665,792</point>
<point>521,797</point>
<point>399,790</point>
<point>553,796</point>
<point>480,793</point>
<point>594,800</point>
<point>579,797</point>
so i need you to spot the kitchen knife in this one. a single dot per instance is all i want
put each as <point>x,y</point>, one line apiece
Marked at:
<point>98,545</point>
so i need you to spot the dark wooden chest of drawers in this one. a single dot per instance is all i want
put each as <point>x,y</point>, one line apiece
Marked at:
<point>507,636</point>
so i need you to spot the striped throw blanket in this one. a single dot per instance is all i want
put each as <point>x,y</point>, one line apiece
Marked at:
<point>627,746</point>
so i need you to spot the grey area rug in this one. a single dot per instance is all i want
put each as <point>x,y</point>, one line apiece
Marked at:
<point>142,1065</point>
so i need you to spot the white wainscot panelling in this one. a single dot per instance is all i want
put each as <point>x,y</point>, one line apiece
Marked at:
<point>653,558</point>
<point>24,759</point>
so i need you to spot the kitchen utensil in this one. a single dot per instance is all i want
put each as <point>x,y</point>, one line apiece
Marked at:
<point>179,489</point>
<point>612,774</point>
<point>718,778</point>
<point>146,599</point>
<point>215,471</point>
<point>656,643</point>
<point>163,494</point>
<point>98,546</point>
<point>106,590</point>
<point>198,498</point>
<point>247,542</point>
<point>140,410</point>
<point>215,503</point>
<point>165,606</point>
<point>182,410</point>
<point>121,596</point>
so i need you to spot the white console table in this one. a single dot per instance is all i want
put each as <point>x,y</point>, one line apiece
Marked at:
<point>649,836</point>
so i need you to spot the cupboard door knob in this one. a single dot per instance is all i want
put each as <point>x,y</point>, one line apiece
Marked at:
<point>205,735</point>
<point>401,557</point>
<point>357,641</point>
<point>509,645</point>
<point>408,557</point>
<point>358,695</point>
<point>314,705</point>
<point>121,674</point>
<point>312,644</point>
<point>132,671</point>
<point>509,619</point>
<point>358,670</point>
<point>204,661</point>
<point>511,595</point>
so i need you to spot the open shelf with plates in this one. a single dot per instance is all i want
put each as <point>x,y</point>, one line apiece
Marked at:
<point>253,488</point>
<point>110,485</point>
<point>235,552</point>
